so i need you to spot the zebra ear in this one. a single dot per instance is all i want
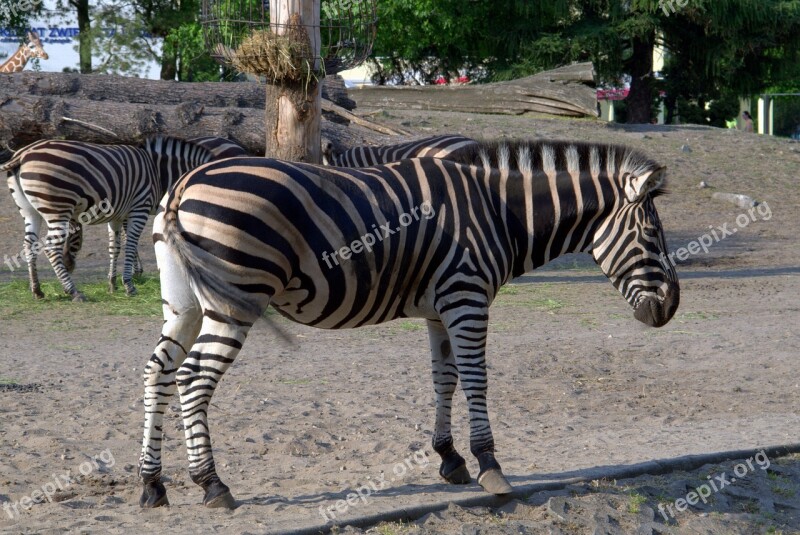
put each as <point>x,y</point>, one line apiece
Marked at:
<point>641,185</point>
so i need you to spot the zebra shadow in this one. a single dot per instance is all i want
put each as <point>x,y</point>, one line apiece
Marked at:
<point>537,488</point>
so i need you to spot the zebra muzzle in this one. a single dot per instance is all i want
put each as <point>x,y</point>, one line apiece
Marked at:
<point>655,312</point>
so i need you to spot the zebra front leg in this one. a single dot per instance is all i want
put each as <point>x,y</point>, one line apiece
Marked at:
<point>467,327</point>
<point>57,233</point>
<point>221,338</point>
<point>133,229</point>
<point>445,379</point>
<point>178,332</point>
<point>113,253</point>
<point>138,267</point>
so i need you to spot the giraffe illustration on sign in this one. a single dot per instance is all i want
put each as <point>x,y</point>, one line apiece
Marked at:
<point>18,60</point>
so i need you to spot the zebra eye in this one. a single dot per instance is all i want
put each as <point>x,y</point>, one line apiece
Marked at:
<point>650,231</point>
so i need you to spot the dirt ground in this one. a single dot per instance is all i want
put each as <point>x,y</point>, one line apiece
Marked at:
<point>577,386</point>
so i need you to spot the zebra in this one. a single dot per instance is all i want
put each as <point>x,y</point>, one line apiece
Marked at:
<point>448,146</point>
<point>235,236</point>
<point>219,147</point>
<point>58,182</point>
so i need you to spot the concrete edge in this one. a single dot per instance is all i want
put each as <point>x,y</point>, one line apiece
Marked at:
<point>655,467</point>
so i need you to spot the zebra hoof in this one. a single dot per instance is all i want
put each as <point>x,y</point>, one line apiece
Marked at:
<point>153,495</point>
<point>112,285</point>
<point>457,476</point>
<point>218,495</point>
<point>494,482</point>
<point>78,297</point>
<point>130,292</point>
<point>38,294</point>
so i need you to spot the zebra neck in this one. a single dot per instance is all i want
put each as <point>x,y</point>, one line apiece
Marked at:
<point>550,213</point>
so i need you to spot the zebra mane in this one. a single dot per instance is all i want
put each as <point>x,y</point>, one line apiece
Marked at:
<point>158,144</point>
<point>532,156</point>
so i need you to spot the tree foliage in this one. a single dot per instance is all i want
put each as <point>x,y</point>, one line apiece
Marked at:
<point>715,47</point>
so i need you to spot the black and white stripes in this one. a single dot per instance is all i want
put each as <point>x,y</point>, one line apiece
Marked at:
<point>444,147</point>
<point>238,235</point>
<point>66,184</point>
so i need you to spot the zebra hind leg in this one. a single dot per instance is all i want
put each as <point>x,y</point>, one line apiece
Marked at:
<point>179,330</point>
<point>57,233</point>
<point>73,245</point>
<point>221,338</point>
<point>34,225</point>
<point>182,320</point>
<point>445,380</point>
<point>467,328</point>
<point>31,248</point>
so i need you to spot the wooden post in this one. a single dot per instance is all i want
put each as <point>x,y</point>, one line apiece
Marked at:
<point>293,109</point>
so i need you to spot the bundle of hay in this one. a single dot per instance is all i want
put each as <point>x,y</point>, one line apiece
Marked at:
<point>278,57</point>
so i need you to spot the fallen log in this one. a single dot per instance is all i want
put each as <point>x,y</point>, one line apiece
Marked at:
<point>27,118</point>
<point>143,91</point>
<point>563,91</point>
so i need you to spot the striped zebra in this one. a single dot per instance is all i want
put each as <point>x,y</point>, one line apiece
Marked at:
<point>66,184</point>
<point>219,147</point>
<point>425,238</point>
<point>449,147</point>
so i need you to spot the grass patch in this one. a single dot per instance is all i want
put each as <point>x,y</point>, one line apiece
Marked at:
<point>538,296</point>
<point>635,502</point>
<point>408,325</point>
<point>16,299</point>
<point>7,381</point>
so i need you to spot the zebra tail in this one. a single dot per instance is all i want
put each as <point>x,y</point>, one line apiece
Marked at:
<point>204,271</point>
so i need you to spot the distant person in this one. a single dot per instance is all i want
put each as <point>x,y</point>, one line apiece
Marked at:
<point>747,119</point>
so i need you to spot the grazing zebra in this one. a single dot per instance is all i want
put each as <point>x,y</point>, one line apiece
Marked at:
<point>63,183</point>
<point>425,238</point>
<point>448,147</point>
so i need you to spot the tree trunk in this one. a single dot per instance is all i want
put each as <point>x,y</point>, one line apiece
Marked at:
<point>293,110</point>
<point>640,98</point>
<point>84,37</point>
<point>169,62</point>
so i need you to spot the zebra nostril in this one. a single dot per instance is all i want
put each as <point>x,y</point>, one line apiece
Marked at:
<point>655,312</point>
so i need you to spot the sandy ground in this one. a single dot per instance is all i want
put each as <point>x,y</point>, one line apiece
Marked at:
<point>575,383</point>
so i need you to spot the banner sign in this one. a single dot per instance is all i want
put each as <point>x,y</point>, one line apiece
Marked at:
<point>55,34</point>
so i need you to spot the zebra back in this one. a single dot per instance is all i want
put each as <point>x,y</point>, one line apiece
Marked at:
<point>219,147</point>
<point>173,157</point>
<point>448,147</point>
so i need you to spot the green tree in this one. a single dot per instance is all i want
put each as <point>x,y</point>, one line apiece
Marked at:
<point>714,45</point>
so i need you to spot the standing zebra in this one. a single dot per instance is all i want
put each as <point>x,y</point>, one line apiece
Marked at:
<point>449,146</point>
<point>238,235</point>
<point>59,182</point>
